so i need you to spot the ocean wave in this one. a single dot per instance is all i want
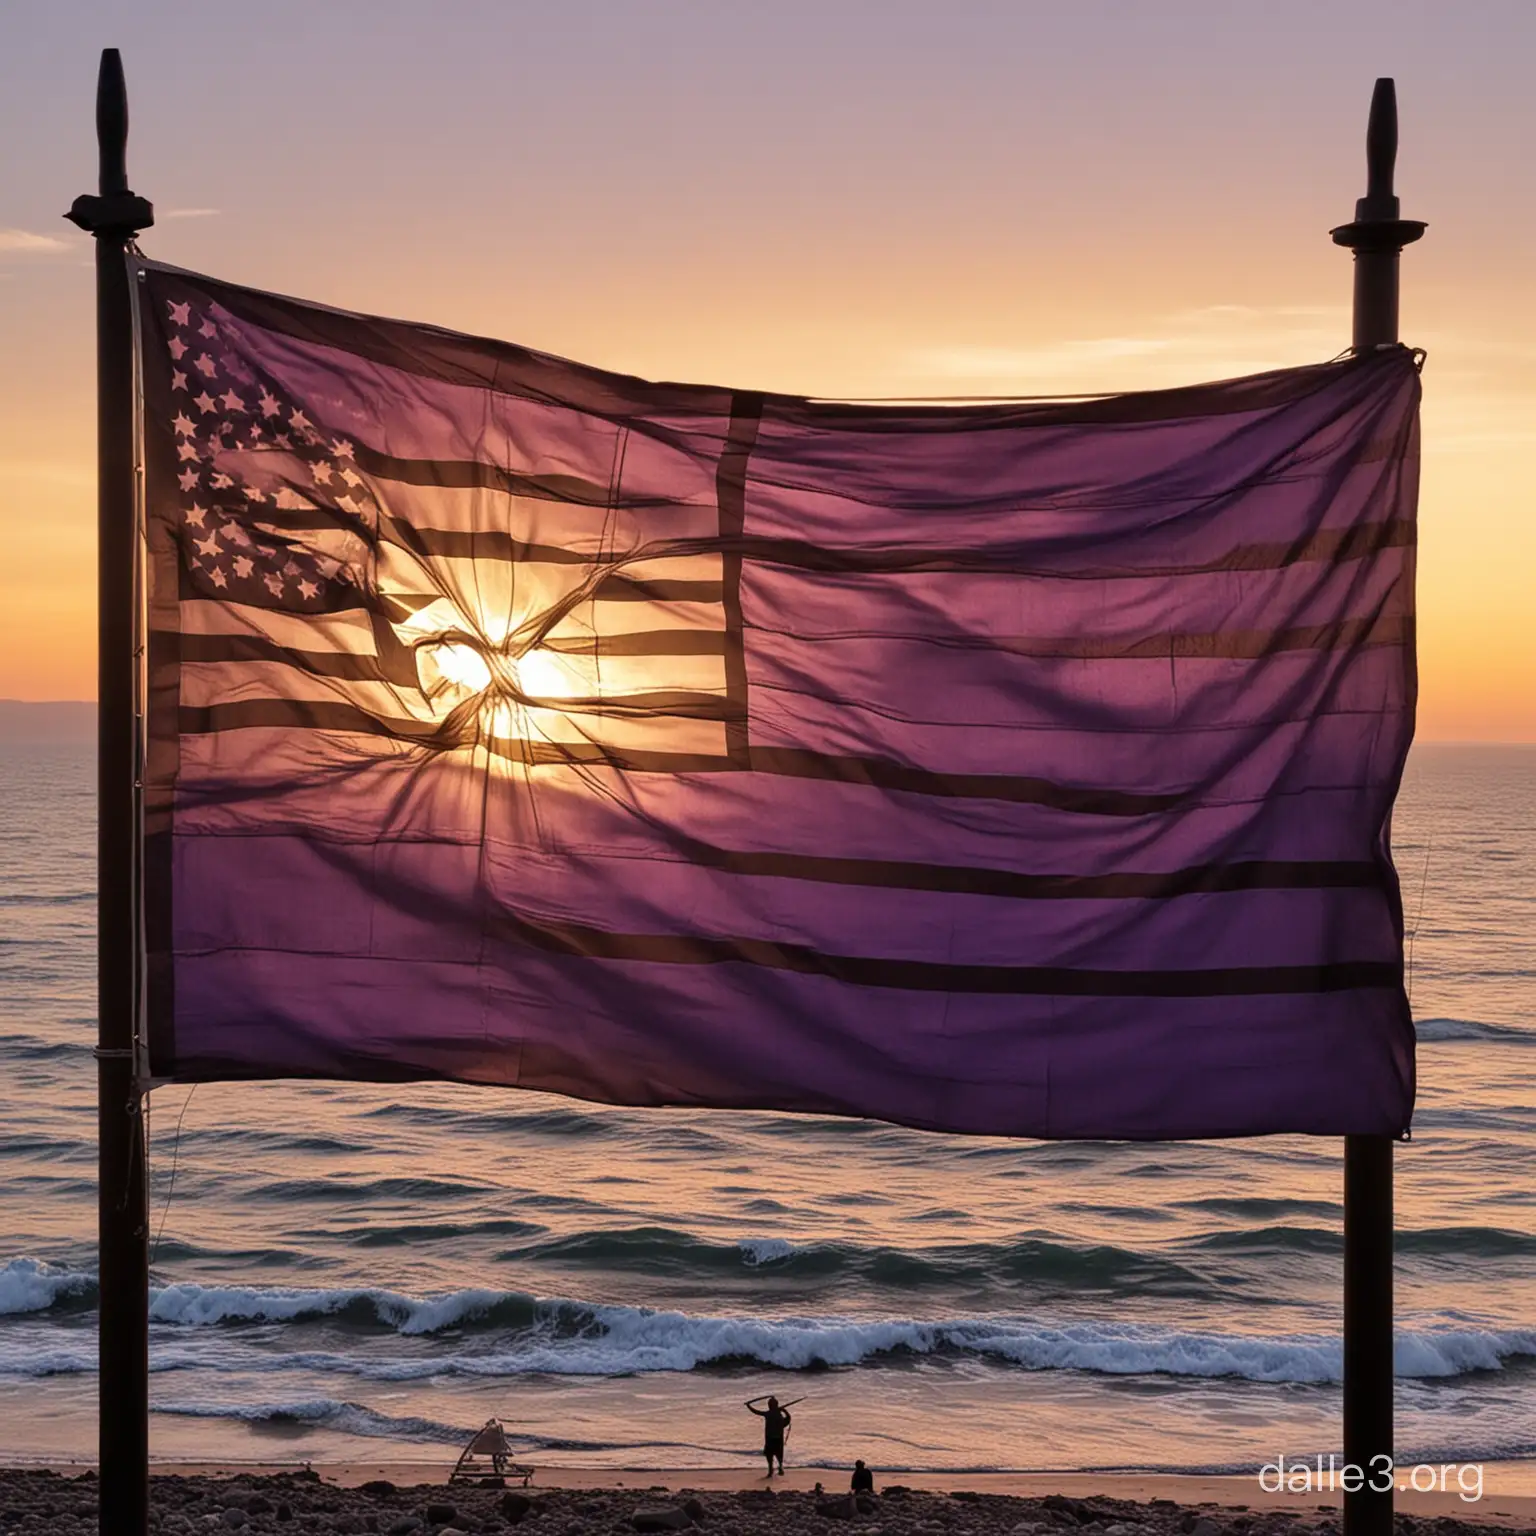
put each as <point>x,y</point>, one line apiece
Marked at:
<point>519,1335</point>
<point>36,1364</point>
<point>758,1251</point>
<point>617,1341</point>
<point>323,1412</point>
<point>1272,1239</point>
<point>1028,1262</point>
<point>667,1250</point>
<point>1439,1242</point>
<point>177,1250</point>
<point>31,1285</point>
<point>349,1418</point>
<point>55,1148</point>
<point>262,1139</point>
<point>1261,1207</point>
<point>1465,1242</point>
<point>34,1286</point>
<point>383,1234</point>
<point>336,1191</point>
<point>1439,1031</point>
<point>34,1048</point>
<point>194,1306</point>
<point>554,1118</point>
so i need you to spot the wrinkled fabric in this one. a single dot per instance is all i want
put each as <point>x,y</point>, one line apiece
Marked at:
<point>1014,769</point>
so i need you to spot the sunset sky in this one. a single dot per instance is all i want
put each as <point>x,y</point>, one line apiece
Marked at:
<point>838,197</point>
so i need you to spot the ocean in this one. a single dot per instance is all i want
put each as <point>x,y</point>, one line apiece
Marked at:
<point>347,1272</point>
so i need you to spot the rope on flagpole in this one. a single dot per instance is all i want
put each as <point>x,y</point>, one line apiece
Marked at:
<point>175,1160</point>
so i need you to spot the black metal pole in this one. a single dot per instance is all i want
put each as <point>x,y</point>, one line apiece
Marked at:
<point>114,217</point>
<point>1376,236</point>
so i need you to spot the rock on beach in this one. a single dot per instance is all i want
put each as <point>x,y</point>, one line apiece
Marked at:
<point>39,1503</point>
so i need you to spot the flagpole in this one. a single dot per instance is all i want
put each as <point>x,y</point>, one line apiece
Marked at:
<point>1377,236</point>
<point>114,217</point>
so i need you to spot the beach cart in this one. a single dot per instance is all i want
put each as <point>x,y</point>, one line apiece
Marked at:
<point>488,1455</point>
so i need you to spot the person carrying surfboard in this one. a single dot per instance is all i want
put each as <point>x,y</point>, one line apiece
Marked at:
<point>776,1422</point>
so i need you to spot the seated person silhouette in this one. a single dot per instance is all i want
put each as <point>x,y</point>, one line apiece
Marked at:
<point>863,1479</point>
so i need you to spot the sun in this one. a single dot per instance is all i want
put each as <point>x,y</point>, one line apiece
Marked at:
<point>451,665</point>
<point>521,697</point>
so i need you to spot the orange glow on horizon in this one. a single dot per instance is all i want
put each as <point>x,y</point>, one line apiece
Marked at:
<point>1018,205</point>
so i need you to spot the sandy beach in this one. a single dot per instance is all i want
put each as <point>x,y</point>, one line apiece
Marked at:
<point>414,1499</point>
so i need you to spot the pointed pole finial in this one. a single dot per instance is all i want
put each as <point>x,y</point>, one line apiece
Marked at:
<point>115,211</point>
<point>1377,224</point>
<point>1380,155</point>
<point>1377,233</point>
<point>112,123</point>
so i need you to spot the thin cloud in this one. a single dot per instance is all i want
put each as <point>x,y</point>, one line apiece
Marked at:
<point>1220,340</point>
<point>1044,362</point>
<point>189,213</point>
<point>12,240</point>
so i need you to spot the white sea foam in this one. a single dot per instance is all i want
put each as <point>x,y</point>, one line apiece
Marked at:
<point>29,1285</point>
<point>764,1250</point>
<point>194,1305</point>
<point>634,1340</point>
<point>518,1335</point>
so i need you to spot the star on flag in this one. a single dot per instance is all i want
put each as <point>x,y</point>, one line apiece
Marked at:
<point>247,555</point>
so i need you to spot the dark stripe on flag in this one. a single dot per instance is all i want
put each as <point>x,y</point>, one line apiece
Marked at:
<point>1197,880</point>
<point>336,715</point>
<point>731,498</point>
<point>675,703</point>
<point>1242,645</point>
<point>472,474</point>
<point>399,667</point>
<point>496,545</point>
<point>786,762</point>
<point>934,976</point>
<point>883,773</point>
<point>346,666</point>
<point>1333,546</point>
<point>631,589</point>
<point>304,714</point>
<point>479,544</point>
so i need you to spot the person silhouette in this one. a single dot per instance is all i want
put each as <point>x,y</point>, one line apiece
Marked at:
<point>863,1480</point>
<point>776,1422</point>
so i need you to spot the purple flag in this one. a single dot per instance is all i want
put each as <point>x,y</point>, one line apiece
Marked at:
<point>1015,769</point>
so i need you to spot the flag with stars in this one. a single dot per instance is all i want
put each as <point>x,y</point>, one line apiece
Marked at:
<point>232,529</point>
<point>1015,769</point>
